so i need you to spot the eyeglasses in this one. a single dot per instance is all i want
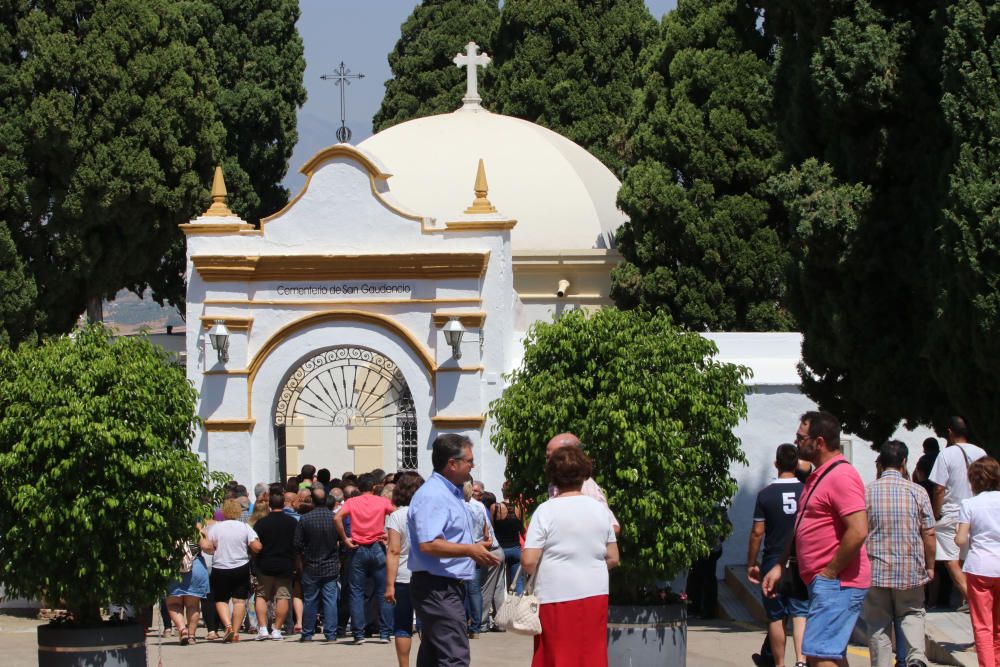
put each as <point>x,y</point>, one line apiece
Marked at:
<point>799,438</point>
<point>471,460</point>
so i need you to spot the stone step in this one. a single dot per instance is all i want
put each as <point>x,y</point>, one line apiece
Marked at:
<point>746,593</point>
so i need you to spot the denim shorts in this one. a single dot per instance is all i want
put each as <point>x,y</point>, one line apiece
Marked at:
<point>833,611</point>
<point>402,612</point>
<point>782,606</point>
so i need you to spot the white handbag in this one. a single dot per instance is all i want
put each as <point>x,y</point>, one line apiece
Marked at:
<point>519,613</point>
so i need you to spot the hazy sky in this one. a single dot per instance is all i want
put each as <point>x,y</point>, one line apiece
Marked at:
<point>361,33</point>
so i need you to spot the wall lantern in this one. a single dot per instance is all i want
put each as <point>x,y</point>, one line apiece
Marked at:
<point>453,332</point>
<point>219,335</point>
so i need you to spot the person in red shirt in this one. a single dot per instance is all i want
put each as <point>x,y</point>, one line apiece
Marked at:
<point>367,513</point>
<point>829,538</point>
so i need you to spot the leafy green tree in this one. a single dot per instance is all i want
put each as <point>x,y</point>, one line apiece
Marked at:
<point>110,108</point>
<point>964,339</point>
<point>96,470</point>
<point>424,80</point>
<point>706,240</point>
<point>571,66</point>
<point>653,407</point>
<point>17,294</point>
<point>858,100</point>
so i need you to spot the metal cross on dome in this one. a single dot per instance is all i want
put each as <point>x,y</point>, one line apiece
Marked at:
<point>471,60</point>
<point>341,76</point>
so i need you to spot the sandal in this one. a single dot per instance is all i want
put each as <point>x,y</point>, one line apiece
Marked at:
<point>297,630</point>
<point>212,636</point>
<point>183,634</point>
<point>228,638</point>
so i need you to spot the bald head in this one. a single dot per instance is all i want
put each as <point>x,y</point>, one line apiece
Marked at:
<point>561,440</point>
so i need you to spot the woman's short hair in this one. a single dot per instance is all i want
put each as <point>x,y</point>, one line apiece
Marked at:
<point>231,509</point>
<point>568,468</point>
<point>407,484</point>
<point>984,475</point>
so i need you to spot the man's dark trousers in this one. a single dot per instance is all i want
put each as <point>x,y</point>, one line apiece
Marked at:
<point>440,606</point>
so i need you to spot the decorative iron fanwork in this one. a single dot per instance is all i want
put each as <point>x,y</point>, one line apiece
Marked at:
<point>346,386</point>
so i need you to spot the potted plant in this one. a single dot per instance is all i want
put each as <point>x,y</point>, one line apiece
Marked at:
<point>656,414</point>
<point>98,485</point>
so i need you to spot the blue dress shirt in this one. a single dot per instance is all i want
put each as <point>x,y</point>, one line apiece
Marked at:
<point>438,510</point>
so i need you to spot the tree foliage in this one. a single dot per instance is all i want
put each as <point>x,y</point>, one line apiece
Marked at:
<point>705,239</point>
<point>17,293</point>
<point>656,412</point>
<point>888,115</point>
<point>96,470</point>
<point>966,357</point>
<point>571,66</point>
<point>259,62</point>
<point>424,80</point>
<point>114,114</point>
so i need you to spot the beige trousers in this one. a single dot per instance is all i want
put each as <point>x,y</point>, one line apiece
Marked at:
<point>884,606</point>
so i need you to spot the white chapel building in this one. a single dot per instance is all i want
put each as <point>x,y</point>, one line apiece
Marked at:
<point>337,311</point>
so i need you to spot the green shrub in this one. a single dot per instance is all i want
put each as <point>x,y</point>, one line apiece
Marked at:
<point>97,479</point>
<point>655,412</point>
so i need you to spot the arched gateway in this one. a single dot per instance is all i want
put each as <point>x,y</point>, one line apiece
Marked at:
<point>341,409</point>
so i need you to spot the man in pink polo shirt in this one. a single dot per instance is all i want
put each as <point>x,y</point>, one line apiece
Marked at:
<point>832,526</point>
<point>367,513</point>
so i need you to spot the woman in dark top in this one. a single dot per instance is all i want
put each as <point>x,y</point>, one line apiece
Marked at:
<point>508,529</point>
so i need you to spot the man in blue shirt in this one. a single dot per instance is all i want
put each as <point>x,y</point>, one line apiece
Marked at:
<point>444,554</point>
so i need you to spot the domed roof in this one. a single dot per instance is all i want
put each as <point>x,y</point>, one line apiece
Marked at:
<point>561,196</point>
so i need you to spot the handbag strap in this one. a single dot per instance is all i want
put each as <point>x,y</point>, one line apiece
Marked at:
<point>529,585</point>
<point>968,461</point>
<point>802,507</point>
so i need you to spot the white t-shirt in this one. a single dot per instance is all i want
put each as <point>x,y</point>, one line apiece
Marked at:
<point>397,522</point>
<point>573,533</point>
<point>982,513</point>
<point>951,470</point>
<point>230,539</point>
<point>481,519</point>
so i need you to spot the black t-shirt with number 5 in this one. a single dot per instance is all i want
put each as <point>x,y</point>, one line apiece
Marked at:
<point>776,506</point>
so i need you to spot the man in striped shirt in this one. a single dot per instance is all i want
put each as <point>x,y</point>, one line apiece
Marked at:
<point>901,547</point>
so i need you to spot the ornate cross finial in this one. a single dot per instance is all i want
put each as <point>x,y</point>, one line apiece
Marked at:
<point>218,207</point>
<point>341,76</point>
<point>481,204</point>
<point>471,60</point>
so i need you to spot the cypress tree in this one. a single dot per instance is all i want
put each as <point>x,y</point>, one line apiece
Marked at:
<point>858,94</point>
<point>705,240</point>
<point>17,294</point>
<point>965,339</point>
<point>571,66</point>
<point>424,80</point>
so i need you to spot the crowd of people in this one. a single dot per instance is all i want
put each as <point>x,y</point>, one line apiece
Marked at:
<point>378,557</point>
<point>834,551</point>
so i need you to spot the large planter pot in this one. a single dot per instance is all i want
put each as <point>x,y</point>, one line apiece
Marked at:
<point>647,636</point>
<point>103,646</point>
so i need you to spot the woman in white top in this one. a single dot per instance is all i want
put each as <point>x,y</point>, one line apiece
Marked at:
<point>230,542</point>
<point>979,527</point>
<point>572,546</point>
<point>397,574</point>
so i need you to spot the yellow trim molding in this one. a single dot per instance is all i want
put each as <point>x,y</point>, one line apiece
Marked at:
<point>232,322</point>
<point>476,225</point>
<point>190,228</point>
<point>470,320</point>
<point>327,302</point>
<point>217,268</point>
<point>459,369</point>
<point>445,421</point>
<point>225,371</point>
<point>230,425</point>
<point>314,319</point>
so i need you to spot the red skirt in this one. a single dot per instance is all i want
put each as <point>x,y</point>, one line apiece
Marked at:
<point>574,634</point>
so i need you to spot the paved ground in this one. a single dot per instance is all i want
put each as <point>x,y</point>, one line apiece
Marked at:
<point>709,645</point>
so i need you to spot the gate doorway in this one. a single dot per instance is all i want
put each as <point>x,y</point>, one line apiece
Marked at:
<point>347,408</point>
